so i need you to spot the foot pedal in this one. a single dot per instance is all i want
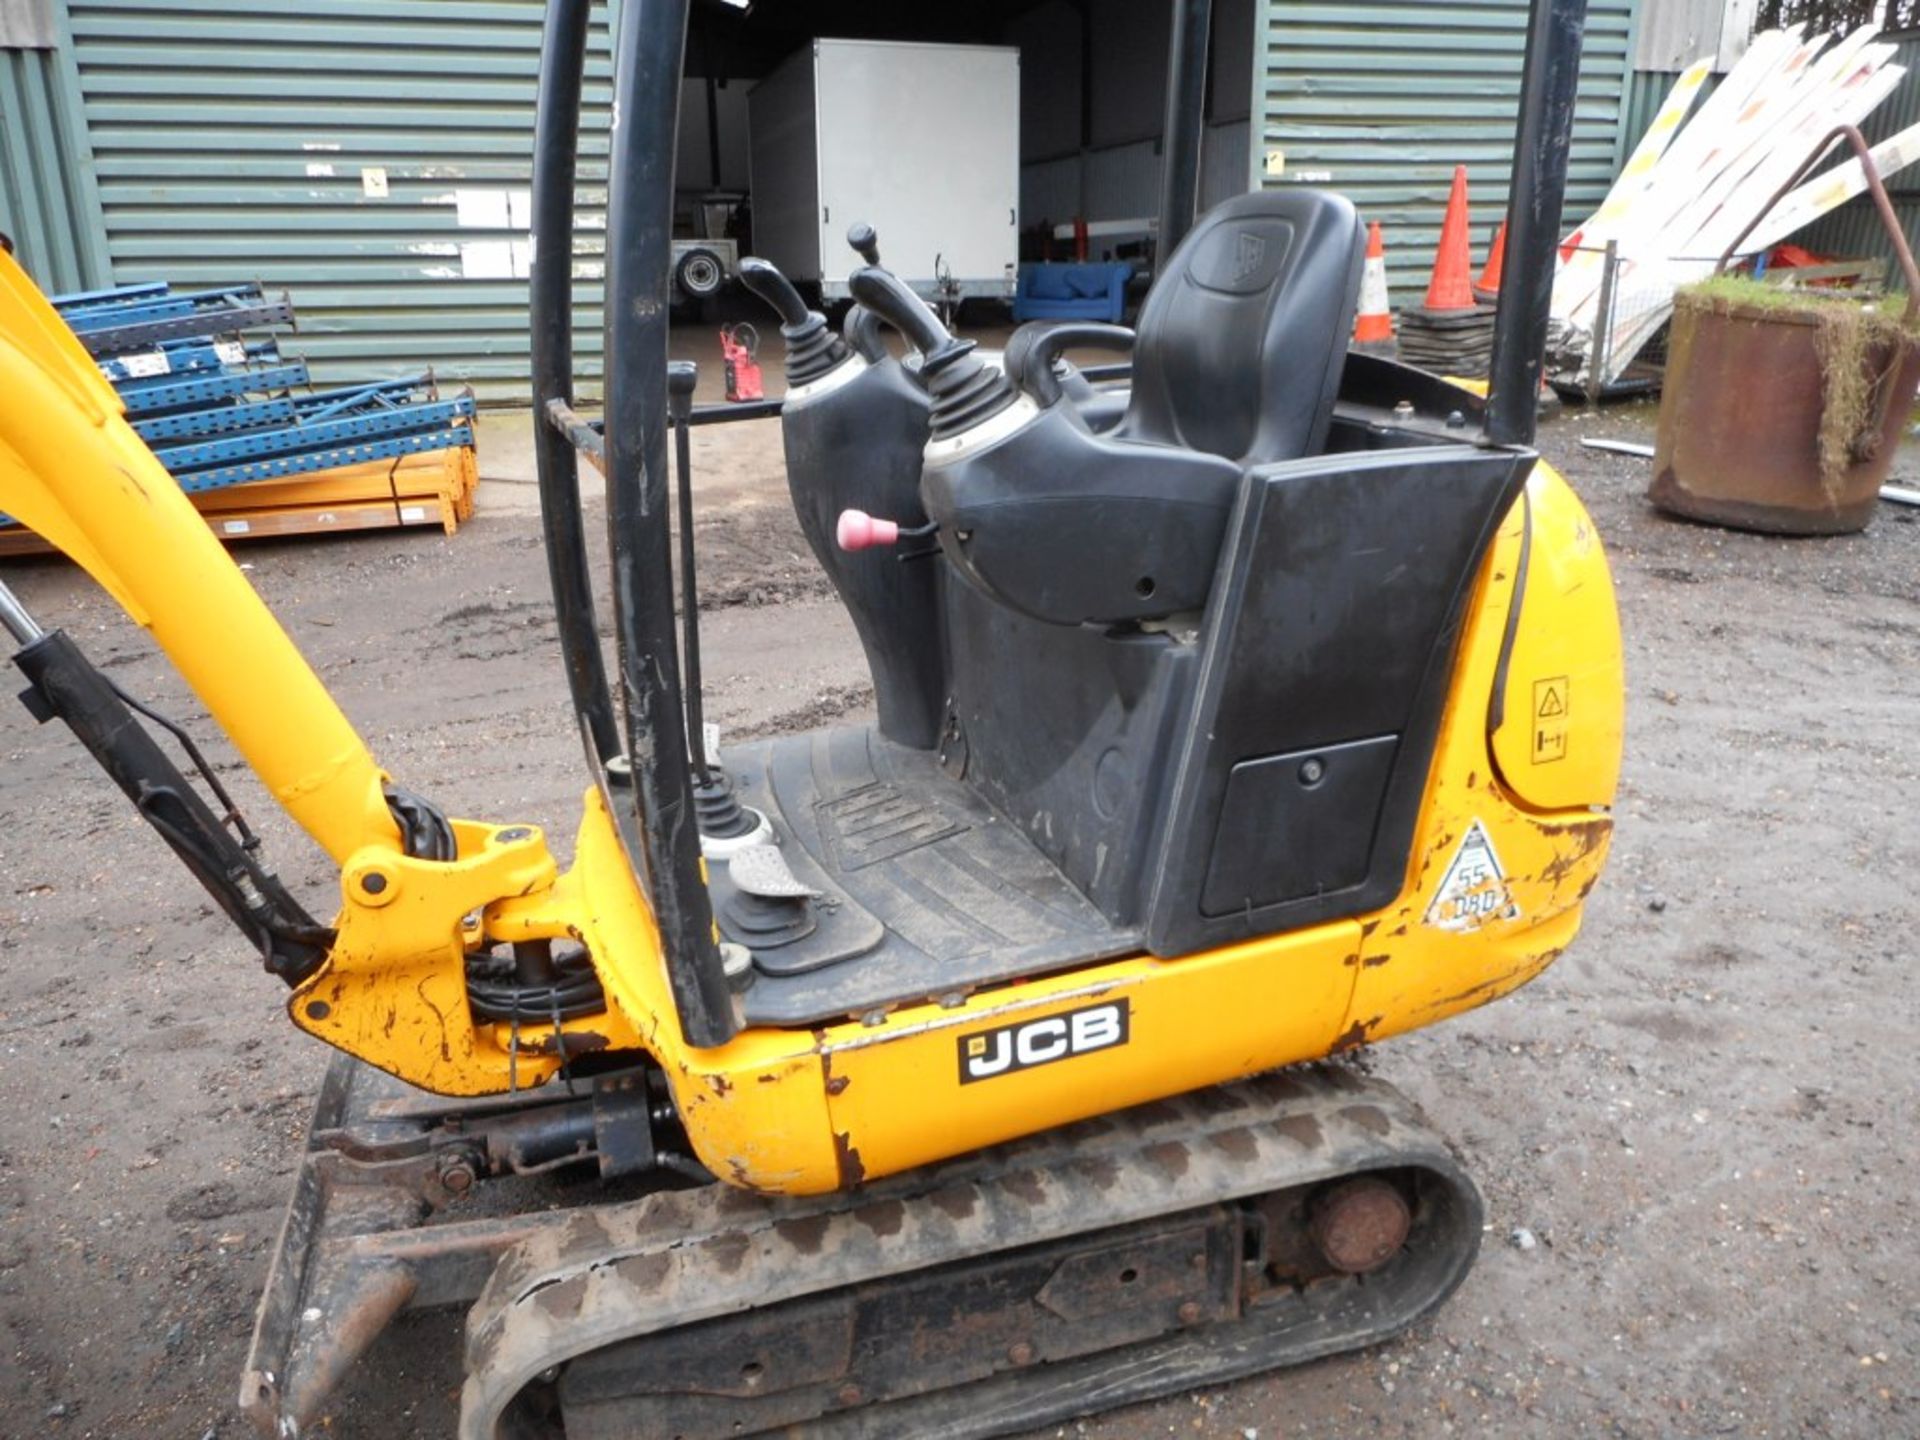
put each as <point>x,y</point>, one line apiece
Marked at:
<point>770,906</point>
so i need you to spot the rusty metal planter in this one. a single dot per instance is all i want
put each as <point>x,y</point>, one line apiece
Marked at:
<point>1745,398</point>
<point>1740,422</point>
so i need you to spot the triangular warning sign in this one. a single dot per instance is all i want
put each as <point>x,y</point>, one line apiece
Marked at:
<point>1552,702</point>
<point>1474,889</point>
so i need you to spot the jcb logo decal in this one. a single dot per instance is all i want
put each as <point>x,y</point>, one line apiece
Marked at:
<point>987,1053</point>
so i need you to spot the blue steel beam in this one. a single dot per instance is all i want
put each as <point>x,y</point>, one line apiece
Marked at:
<point>225,419</point>
<point>173,393</point>
<point>324,435</point>
<point>117,295</point>
<point>157,307</point>
<point>184,358</point>
<point>83,322</point>
<point>256,315</point>
<point>282,466</point>
<point>217,421</point>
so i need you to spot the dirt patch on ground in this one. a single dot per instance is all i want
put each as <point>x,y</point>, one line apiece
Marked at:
<point>1701,1117</point>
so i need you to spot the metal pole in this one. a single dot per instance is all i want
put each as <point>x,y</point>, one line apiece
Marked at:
<point>652,37</point>
<point>713,134</point>
<point>1185,127</point>
<point>18,622</point>
<point>1542,138</point>
<point>1603,324</point>
<point>682,377</point>
<point>556,145</point>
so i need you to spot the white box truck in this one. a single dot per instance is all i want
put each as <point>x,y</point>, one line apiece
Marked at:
<point>922,142</point>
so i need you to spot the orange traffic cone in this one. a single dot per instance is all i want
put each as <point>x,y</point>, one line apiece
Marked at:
<point>1375,323</point>
<point>1487,287</point>
<point>1452,285</point>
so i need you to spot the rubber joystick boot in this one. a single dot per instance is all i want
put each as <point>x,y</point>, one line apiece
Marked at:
<point>965,390</point>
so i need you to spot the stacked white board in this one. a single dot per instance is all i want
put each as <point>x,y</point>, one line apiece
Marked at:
<point>1692,187</point>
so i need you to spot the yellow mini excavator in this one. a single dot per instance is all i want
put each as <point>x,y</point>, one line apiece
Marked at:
<point>1255,703</point>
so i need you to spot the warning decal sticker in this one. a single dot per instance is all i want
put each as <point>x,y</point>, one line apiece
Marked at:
<point>1474,889</point>
<point>1552,705</point>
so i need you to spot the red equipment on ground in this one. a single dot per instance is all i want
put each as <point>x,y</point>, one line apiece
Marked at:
<point>740,346</point>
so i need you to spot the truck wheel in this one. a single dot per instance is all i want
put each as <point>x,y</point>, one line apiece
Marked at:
<point>699,274</point>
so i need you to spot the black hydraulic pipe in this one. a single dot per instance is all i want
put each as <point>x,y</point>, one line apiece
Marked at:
<point>682,376</point>
<point>66,686</point>
<point>651,47</point>
<point>1185,126</point>
<point>556,144</point>
<point>1543,137</point>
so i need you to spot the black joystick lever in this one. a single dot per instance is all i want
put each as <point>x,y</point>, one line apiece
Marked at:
<point>862,327</point>
<point>862,238</point>
<point>763,277</point>
<point>812,348</point>
<point>888,296</point>
<point>965,390</point>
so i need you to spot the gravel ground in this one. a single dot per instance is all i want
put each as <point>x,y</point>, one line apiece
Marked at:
<point>1694,1132</point>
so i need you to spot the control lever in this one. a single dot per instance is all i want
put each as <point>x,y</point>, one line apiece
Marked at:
<point>888,296</point>
<point>764,279</point>
<point>812,348</point>
<point>861,237</point>
<point>1034,351</point>
<point>965,389</point>
<point>857,530</point>
<point>720,814</point>
<point>861,329</point>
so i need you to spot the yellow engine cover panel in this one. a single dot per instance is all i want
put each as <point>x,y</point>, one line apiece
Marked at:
<point>1559,705</point>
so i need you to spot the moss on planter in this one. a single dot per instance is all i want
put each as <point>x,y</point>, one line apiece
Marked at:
<point>1860,344</point>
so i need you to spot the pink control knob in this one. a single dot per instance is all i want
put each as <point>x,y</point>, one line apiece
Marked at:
<point>858,530</point>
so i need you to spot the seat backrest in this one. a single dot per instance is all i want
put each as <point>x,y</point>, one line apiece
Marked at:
<point>1243,337</point>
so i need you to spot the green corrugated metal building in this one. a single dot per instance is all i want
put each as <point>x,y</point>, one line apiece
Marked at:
<point>372,157</point>
<point>48,203</point>
<point>1381,102</point>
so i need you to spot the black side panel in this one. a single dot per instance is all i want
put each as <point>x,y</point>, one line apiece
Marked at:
<point>1070,733</point>
<point>1287,824</point>
<point>1334,620</point>
<point>1079,529</point>
<point>859,448</point>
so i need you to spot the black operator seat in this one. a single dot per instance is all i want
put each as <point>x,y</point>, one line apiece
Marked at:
<point>1240,344</point>
<point>1237,362</point>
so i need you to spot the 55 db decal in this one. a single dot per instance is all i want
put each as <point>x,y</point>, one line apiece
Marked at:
<point>1007,1048</point>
